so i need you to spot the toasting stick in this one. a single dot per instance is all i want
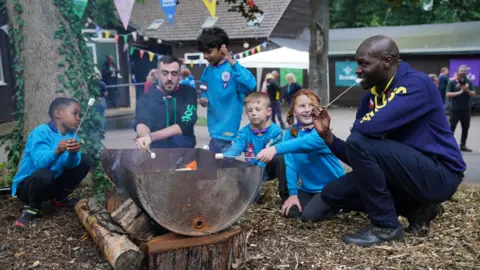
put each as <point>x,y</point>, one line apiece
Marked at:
<point>221,156</point>
<point>152,155</point>
<point>359,80</point>
<point>91,102</point>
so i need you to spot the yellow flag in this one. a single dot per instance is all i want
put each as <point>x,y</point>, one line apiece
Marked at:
<point>107,34</point>
<point>191,63</point>
<point>150,56</point>
<point>211,6</point>
<point>258,48</point>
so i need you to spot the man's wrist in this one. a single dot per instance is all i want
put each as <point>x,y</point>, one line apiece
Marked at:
<point>327,137</point>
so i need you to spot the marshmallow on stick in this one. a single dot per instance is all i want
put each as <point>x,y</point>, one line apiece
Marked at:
<point>90,103</point>
<point>222,156</point>
<point>358,80</point>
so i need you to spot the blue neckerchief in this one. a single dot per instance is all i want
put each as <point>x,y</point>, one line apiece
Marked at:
<point>53,126</point>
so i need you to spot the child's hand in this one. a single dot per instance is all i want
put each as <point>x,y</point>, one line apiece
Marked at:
<point>224,52</point>
<point>267,154</point>
<point>72,146</point>
<point>291,201</point>
<point>204,102</point>
<point>62,146</point>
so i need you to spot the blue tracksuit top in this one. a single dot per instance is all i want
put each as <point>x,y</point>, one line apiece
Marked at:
<point>317,167</point>
<point>250,143</point>
<point>226,89</point>
<point>40,153</point>
<point>410,111</point>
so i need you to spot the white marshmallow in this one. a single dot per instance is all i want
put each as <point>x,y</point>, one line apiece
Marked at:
<point>153,156</point>
<point>218,156</point>
<point>206,147</point>
<point>91,102</point>
<point>359,80</point>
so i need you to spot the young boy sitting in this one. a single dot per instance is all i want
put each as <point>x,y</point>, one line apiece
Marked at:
<point>52,165</point>
<point>257,135</point>
<point>223,83</point>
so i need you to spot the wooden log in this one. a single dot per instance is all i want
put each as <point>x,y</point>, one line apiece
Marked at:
<point>118,250</point>
<point>212,252</point>
<point>134,222</point>
<point>114,200</point>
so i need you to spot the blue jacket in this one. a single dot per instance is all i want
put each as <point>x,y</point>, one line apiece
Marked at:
<point>226,89</point>
<point>40,153</point>
<point>316,166</point>
<point>250,143</point>
<point>190,81</point>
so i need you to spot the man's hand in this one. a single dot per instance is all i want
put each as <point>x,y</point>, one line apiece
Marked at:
<point>465,88</point>
<point>72,146</point>
<point>321,120</point>
<point>62,146</point>
<point>267,154</point>
<point>291,201</point>
<point>204,102</point>
<point>143,142</point>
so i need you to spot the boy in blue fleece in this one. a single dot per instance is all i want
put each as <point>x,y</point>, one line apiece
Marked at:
<point>315,169</point>
<point>257,135</point>
<point>403,154</point>
<point>224,84</point>
<point>52,165</point>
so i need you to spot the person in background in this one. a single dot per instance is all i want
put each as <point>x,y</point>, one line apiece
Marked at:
<point>101,103</point>
<point>110,75</point>
<point>275,92</point>
<point>315,168</point>
<point>166,114</point>
<point>257,135</point>
<point>52,165</point>
<point>152,77</point>
<point>291,88</point>
<point>443,81</point>
<point>224,84</point>
<point>187,78</point>
<point>434,79</point>
<point>461,91</point>
<point>264,83</point>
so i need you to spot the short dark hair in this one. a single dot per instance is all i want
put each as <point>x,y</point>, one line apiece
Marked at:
<point>168,59</point>
<point>211,38</point>
<point>60,102</point>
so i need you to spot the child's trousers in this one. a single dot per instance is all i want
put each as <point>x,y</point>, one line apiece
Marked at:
<point>42,185</point>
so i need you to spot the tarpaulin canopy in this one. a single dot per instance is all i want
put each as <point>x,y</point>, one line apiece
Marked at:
<point>277,58</point>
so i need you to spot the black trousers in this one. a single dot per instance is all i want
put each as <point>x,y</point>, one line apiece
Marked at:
<point>276,169</point>
<point>42,185</point>
<point>462,116</point>
<point>313,207</point>
<point>389,179</point>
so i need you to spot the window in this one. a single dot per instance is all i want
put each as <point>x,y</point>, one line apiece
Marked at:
<point>2,78</point>
<point>101,47</point>
<point>258,19</point>
<point>156,24</point>
<point>209,22</point>
<point>93,52</point>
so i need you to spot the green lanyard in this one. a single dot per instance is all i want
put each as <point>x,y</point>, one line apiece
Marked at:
<point>174,110</point>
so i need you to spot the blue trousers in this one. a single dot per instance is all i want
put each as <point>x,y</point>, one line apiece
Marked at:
<point>389,179</point>
<point>219,145</point>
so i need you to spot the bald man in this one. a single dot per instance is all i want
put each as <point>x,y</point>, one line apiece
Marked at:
<point>403,155</point>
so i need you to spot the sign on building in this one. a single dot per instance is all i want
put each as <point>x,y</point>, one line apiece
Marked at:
<point>345,73</point>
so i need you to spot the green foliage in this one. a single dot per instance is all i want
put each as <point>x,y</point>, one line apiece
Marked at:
<point>15,141</point>
<point>78,78</point>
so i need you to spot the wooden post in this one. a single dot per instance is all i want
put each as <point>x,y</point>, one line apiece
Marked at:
<point>119,251</point>
<point>218,251</point>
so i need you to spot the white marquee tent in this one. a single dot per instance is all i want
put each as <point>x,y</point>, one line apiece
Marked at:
<point>278,58</point>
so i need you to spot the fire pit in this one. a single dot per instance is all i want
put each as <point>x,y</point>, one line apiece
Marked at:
<point>185,201</point>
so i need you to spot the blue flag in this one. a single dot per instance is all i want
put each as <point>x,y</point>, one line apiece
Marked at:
<point>169,7</point>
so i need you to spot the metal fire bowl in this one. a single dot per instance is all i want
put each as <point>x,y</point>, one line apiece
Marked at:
<point>192,203</point>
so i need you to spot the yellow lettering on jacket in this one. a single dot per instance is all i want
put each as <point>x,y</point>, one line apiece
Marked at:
<point>384,101</point>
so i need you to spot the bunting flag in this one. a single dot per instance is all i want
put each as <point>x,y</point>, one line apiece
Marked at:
<point>79,7</point>
<point>141,53</point>
<point>211,6</point>
<point>107,34</point>
<point>124,8</point>
<point>251,51</point>
<point>169,7</point>
<point>125,47</point>
<point>150,56</point>
<point>116,38</point>
<point>132,49</point>
<point>191,63</point>
<point>5,28</point>
<point>251,3</point>
<point>134,35</point>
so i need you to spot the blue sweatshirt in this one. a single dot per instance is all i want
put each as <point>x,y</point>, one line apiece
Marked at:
<point>226,89</point>
<point>40,153</point>
<point>411,112</point>
<point>317,167</point>
<point>250,143</point>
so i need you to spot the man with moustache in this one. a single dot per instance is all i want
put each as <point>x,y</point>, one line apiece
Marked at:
<point>166,114</point>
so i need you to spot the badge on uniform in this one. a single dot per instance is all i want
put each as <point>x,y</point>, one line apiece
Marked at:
<point>225,78</point>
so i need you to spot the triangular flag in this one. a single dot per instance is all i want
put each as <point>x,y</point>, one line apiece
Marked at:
<point>141,53</point>
<point>125,47</point>
<point>258,48</point>
<point>107,34</point>
<point>79,7</point>
<point>234,57</point>
<point>150,56</point>
<point>124,8</point>
<point>132,49</point>
<point>247,53</point>
<point>5,28</point>
<point>125,39</point>
<point>251,4</point>
<point>240,55</point>
<point>264,45</point>
<point>89,20</point>
<point>169,7</point>
<point>252,50</point>
<point>134,35</point>
<point>191,63</point>
<point>211,6</point>
<point>116,38</point>
<point>158,57</point>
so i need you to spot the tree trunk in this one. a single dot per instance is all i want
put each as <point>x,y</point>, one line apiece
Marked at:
<point>41,58</point>
<point>118,250</point>
<point>213,252</point>
<point>318,72</point>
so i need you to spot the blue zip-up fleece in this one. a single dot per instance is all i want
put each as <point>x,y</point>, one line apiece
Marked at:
<point>250,143</point>
<point>40,154</point>
<point>410,111</point>
<point>316,168</point>
<point>226,89</point>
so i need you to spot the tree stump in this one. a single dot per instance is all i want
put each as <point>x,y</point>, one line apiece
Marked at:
<point>118,250</point>
<point>218,251</point>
